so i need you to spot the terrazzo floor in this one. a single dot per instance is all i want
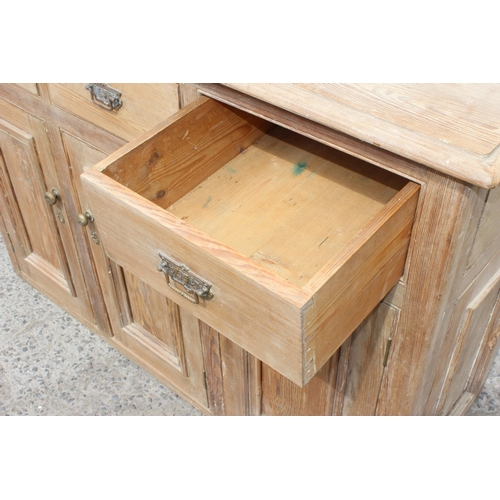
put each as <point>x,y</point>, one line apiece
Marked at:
<point>52,365</point>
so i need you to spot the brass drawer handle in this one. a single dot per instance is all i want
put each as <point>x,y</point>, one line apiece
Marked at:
<point>104,96</point>
<point>195,286</point>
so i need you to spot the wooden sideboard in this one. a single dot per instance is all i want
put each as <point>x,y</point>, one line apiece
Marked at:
<point>267,249</point>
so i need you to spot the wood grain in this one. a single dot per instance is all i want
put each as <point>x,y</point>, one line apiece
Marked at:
<point>246,304</point>
<point>474,331</point>
<point>452,256</point>
<point>331,137</point>
<point>360,210</point>
<point>487,353</point>
<point>187,94</point>
<point>281,397</point>
<point>156,330</point>
<point>157,317</point>
<point>234,362</point>
<point>438,248</point>
<point>452,128</point>
<point>347,289</point>
<point>174,159</point>
<point>487,231</point>
<point>30,87</point>
<point>462,405</point>
<point>262,203</point>
<point>368,352</point>
<point>213,369</point>
<point>29,221</point>
<point>143,106</point>
<point>14,100</point>
<point>78,157</point>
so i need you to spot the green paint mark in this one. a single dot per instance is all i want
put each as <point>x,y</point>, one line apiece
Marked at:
<point>207,202</point>
<point>299,168</point>
<point>231,169</point>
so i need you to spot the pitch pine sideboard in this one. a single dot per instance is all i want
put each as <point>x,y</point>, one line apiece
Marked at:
<point>267,249</point>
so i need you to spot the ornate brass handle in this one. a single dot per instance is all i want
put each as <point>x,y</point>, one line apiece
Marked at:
<point>195,286</point>
<point>104,96</point>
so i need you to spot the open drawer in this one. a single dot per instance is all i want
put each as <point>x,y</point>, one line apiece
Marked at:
<point>282,244</point>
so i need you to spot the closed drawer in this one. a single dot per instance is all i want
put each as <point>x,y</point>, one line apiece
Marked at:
<point>133,109</point>
<point>281,243</point>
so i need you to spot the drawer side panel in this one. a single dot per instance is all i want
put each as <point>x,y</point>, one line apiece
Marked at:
<point>362,278</point>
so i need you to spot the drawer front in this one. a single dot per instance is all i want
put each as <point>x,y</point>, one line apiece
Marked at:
<point>124,109</point>
<point>154,219</point>
<point>134,240</point>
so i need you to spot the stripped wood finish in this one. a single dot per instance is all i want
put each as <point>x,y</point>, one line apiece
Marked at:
<point>79,157</point>
<point>447,205</point>
<point>188,93</point>
<point>453,128</point>
<point>274,190</point>
<point>320,133</point>
<point>148,323</point>
<point>279,279</point>
<point>187,148</point>
<point>37,233</point>
<point>487,230</point>
<point>442,347</point>
<point>281,397</point>
<point>481,314</point>
<point>30,87</point>
<point>143,105</point>
<point>369,352</point>
<point>486,354</point>
<point>213,369</point>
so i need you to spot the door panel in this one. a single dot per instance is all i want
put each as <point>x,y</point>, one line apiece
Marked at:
<point>80,156</point>
<point>162,335</point>
<point>33,226</point>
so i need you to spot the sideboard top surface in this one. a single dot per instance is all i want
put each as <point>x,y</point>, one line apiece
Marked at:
<point>453,128</point>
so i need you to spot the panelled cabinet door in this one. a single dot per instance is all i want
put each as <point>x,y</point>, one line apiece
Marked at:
<point>145,324</point>
<point>36,227</point>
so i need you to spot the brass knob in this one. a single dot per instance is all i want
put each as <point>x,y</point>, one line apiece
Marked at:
<point>83,219</point>
<point>52,196</point>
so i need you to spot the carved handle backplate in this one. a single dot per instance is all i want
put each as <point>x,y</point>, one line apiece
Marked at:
<point>104,96</point>
<point>195,287</point>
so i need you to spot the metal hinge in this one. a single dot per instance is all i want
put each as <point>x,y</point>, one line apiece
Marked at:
<point>387,349</point>
<point>11,245</point>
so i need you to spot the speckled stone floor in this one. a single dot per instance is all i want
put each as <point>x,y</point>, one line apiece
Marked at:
<point>52,365</point>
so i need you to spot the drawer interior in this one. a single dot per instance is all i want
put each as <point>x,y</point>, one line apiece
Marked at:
<point>278,198</point>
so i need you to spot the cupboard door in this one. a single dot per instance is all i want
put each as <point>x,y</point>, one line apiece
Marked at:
<point>35,228</point>
<point>163,337</point>
<point>145,324</point>
<point>80,156</point>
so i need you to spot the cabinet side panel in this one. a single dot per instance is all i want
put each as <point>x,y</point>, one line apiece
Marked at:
<point>488,234</point>
<point>439,245</point>
<point>479,319</point>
